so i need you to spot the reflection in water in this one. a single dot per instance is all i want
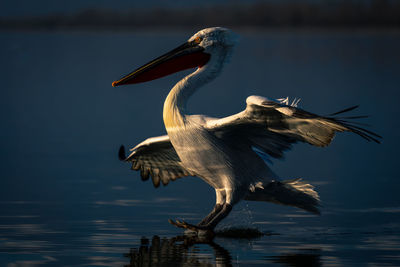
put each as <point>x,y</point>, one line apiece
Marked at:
<point>185,251</point>
<point>312,259</point>
<point>177,251</point>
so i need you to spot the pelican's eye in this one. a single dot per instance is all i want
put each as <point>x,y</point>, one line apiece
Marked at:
<point>198,39</point>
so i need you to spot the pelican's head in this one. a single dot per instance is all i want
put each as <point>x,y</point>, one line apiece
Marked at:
<point>206,46</point>
<point>214,38</point>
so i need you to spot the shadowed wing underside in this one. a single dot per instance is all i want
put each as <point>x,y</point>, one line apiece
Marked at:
<point>272,126</point>
<point>156,157</point>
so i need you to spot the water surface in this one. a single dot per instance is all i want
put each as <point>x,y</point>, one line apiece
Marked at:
<point>65,199</point>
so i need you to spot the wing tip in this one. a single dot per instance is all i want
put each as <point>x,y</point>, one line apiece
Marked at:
<point>121,153</point>
<point>352,126</point>
<point>344,110</point>
<point>364,133</point>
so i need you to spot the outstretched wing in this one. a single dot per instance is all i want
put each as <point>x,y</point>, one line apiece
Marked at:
<point>272,126</point>
<point>156,157</point>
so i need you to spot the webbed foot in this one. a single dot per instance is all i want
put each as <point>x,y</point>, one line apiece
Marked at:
<point>199,230</point>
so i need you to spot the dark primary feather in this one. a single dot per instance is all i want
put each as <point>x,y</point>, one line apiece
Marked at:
<point>121,153</point>
<point>343,111</point>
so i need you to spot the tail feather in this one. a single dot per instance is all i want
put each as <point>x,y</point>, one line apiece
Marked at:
<point>294,192</point>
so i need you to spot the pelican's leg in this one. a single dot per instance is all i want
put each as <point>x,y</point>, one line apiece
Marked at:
<point>226,209</point>
<point>217,208</point>
<point>214,219</point>
<point>220,200</point>
<point>204,225</point>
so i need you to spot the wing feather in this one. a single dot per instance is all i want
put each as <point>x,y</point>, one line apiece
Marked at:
<point>273,126</point>
<point>156,158</point>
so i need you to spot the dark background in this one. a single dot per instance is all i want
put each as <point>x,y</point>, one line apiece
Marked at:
<point>65,199</point>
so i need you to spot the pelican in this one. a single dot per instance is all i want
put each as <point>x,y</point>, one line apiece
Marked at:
<point>228,153</point>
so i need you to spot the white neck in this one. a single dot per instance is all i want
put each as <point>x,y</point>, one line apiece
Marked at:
<point>174,113</point>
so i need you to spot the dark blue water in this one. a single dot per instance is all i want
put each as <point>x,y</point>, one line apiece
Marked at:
<point>65,199</point>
